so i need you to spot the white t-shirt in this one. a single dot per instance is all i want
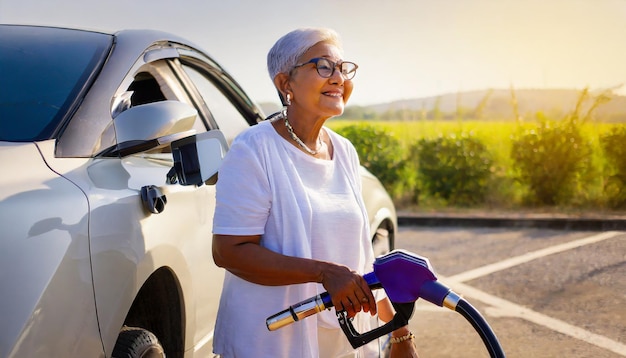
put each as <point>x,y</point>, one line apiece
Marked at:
<point>302,206</point>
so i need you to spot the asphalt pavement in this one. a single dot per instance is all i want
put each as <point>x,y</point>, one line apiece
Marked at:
<point>545,292</point>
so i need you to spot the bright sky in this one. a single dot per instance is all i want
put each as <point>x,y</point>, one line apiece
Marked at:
<point>405,48</point>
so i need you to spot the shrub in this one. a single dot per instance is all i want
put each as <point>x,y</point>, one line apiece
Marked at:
<point>549,159</point>
<point>381,153</point>
<point>612,144</point>
<point>456,168</point>
<point>552,157</point>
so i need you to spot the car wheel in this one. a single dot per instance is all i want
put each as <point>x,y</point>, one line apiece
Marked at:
<point>381,242</point>
<point>134,342</point>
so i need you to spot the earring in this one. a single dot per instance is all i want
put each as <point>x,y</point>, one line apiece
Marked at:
<point>288,100</point>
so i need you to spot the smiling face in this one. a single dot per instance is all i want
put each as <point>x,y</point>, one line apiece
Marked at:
<point>323,97</point>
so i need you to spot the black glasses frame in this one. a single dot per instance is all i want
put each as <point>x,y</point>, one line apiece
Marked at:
<point>346,75</point>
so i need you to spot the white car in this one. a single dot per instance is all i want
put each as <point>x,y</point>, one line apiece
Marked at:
<point>108,144</point>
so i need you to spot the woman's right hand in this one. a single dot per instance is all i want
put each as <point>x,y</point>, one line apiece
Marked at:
<point>348,290</point>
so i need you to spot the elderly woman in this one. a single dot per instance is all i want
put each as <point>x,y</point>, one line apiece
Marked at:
<point>290,221</point>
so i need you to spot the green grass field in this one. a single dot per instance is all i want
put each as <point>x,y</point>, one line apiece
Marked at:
<point>495,135</point>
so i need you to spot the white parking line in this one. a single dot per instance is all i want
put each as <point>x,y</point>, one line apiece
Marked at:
<point>501,307</point>
<point>202,342</point>
<point>518,260</point>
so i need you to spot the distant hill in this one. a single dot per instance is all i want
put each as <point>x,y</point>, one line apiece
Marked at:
<point>497,104</point>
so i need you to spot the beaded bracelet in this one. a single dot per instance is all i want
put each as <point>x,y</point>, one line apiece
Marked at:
<point>394,340</point>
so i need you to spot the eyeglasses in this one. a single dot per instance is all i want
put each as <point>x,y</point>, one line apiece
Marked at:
<point>326,67</point>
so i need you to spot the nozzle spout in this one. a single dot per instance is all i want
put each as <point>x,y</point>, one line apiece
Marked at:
<point>299,311</point>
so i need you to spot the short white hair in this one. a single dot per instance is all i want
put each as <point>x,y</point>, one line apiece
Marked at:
<point>283,56</point>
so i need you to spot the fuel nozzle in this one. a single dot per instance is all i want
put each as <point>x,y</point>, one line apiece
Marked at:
<point>405,277</point>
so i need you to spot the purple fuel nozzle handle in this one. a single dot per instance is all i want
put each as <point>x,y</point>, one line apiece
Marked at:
<point>404,276</point>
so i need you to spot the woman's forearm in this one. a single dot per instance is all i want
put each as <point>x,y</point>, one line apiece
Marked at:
<point>244,257</point>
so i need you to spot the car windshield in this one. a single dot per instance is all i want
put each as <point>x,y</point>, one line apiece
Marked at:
<point>42,73</point>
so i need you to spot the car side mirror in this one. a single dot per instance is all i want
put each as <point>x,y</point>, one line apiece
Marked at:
<point>197,158</point>
<point>150,126</point>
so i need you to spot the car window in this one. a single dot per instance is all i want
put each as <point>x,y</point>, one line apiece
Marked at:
<point>42,72</point>
<point>145,89</point>
<point>230,121</point>
<point>156,82</point>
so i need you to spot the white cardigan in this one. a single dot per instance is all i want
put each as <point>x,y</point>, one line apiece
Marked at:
<point>262,190</point>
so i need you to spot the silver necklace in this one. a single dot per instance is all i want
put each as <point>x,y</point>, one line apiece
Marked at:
<point>298,140</point>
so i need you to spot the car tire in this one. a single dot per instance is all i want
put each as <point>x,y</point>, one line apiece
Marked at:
<point>134,342</point>
<point>381,242</point>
